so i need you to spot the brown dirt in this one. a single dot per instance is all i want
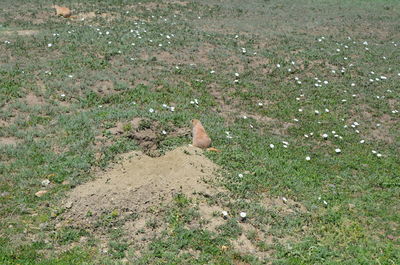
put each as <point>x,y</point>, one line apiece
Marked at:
<point>133,191</point>
<point>32,100</point>
<point>9,140</point>
<point>146,133</point>
<point>104,87</point>
<point>27,32</point>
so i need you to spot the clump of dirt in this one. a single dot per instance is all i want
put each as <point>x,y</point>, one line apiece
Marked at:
<point>147,133</point>
<point>132,192</point>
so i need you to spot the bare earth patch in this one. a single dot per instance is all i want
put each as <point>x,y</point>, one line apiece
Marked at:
<point>8,140</point>
<point>134,190</point>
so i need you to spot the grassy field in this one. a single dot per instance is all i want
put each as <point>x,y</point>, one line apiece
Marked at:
<point>268,78</point>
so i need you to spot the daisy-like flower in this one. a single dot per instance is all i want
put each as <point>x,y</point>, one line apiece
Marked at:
<point>49,45</point>
<point>260,104</point>
<point>272,146</point>
<point>338,151</point>
<point>62,95</point>
<point>237,74</point>
<point>172,109</point>
<point>243,215</point>
<point>308,158</point>
<point>278,65</point>
<point>151,110</point>
<point>325,136</point>
<point>164,132</point>
<point>284,200</point>
<point>240,175</point>
<point>362,141</point>
<point>379,155</point>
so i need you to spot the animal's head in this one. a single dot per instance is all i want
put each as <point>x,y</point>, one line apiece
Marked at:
<point>194,122</point>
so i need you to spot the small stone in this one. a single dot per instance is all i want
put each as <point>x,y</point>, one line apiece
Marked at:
<point>224,214</point>
<point>45,182</point>
<point>40,193</point>
<point>65,182</point>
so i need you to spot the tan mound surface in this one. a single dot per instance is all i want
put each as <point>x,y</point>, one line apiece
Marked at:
<point>137,183</point>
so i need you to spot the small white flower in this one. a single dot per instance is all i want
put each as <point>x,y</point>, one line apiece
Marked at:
<point>325,82</point>
<point>62,95</point>
<point>240,175</point>
<point>49,45</point>
<point>338,151</point>
<point>191,102</point>
<point>326,110</point>
<point>164,132</point>
<point>325,202</point>
<point>383,77</point>
<point>151,110</point>
<point>272,146</point>
<point>224,214</point>
<point>374,152</point>
<point>243,214</point>
<point>212,71</point>
<point>308,158</point>
<point>172,109</point>
<point>362,141</point>
<point>284,200</point>
<point>325,136</point>
<point>285,146</point>
<point>379,155</point>
<point>70,76</point>
<point>260,104</point>
<point>237,74</point>
<point>295,119</point>
<point>244,117</point>
<point>300,110</point>
<point>316,111</point>
<point>365,43</point>
<point>278,65</point>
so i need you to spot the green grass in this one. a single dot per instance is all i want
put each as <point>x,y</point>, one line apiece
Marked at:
<point>89,80</point>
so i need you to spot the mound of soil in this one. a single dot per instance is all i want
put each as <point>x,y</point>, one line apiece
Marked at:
<point>137,183</point>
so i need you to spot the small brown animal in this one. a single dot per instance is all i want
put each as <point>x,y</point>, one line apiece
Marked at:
<point>200,137</point>
<point>62,11</point>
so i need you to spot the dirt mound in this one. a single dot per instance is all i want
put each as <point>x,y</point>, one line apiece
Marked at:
<point>138,182</point>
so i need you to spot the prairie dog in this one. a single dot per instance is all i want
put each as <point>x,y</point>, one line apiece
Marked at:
<point>62,11</point>
<point>200,137</point>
